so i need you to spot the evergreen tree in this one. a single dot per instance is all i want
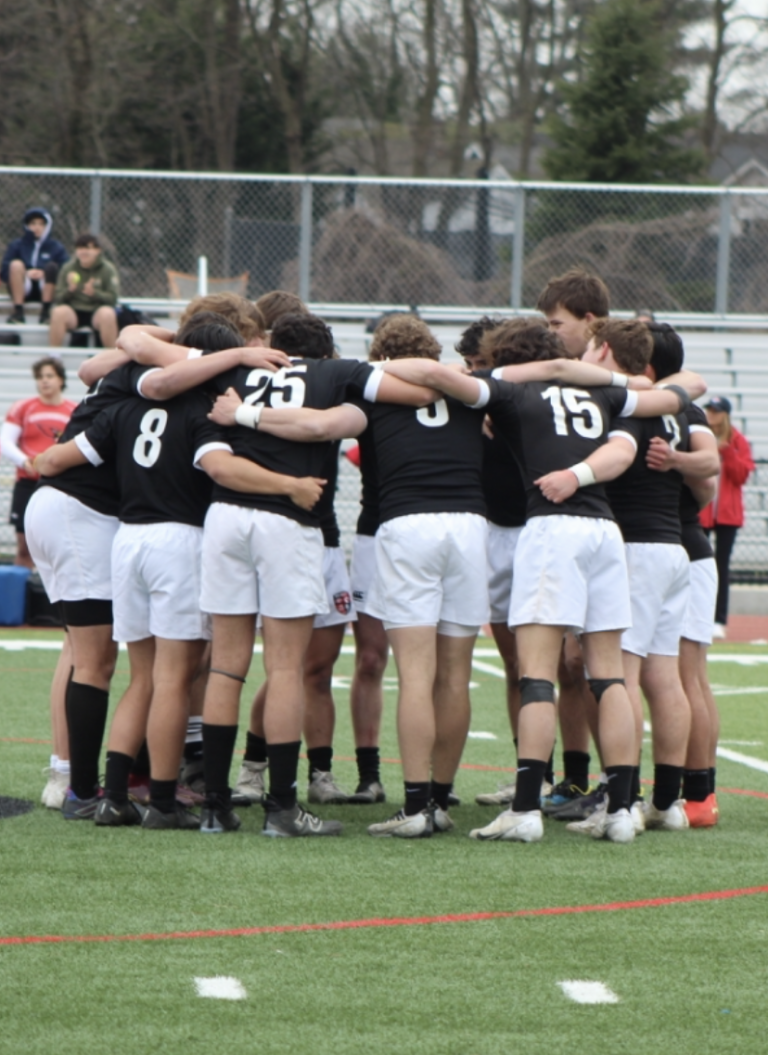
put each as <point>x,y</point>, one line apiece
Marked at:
<point>622,121</point>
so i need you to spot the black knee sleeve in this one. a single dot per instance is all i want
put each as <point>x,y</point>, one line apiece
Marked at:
<point>536,690</point>
<point>599,685</point>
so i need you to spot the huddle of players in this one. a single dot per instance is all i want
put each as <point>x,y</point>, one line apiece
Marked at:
<point>423,512</point>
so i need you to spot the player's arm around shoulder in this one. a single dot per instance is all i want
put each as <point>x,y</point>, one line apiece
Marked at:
<point>610,460</point>
<point>60,457</point>
<point>419,382</point>
<point>240,474</point>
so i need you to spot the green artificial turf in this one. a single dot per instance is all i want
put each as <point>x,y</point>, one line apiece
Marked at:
<point>689,975</point>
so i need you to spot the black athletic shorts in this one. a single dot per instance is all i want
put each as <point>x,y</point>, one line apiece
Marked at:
<point>84,318</point>
<point>22,492</point>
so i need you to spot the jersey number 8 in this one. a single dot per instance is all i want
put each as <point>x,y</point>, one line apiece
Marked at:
<point>146,449</point>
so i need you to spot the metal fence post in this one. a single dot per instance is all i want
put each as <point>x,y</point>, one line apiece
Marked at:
<point>723,254</point>
<point>202,276</point>
<point>305,242</point>
<point>94,224</point>
<point>518,250</point>
<point>226,254</point>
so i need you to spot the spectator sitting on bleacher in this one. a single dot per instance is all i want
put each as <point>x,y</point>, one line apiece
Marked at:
<point>31,264</point>
<point>86,294</point>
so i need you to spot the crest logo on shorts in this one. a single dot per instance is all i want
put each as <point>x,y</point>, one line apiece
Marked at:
<point>342,602</point>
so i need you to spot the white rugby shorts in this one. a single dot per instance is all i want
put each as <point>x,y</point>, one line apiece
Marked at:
<point>71,545</point>
<point>156,577</point>
<point>502,543</point>
<point>362,571</point>
<point>699,619</point>
<point>256,561</point>
<point>337,588</point>
<point>658,591</point>
<point>431,568</point>
<point>570,571</point>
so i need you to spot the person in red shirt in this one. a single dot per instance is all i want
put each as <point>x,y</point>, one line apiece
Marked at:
<point>31,427</point>
<point>725,513</point>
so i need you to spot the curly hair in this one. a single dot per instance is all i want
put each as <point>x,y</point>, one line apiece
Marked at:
<point>279,302</point>
<point>520,341</point>
<point>629,339</point>
<point>403,337</point>
<point>239,312</point>
<point>469,343</point>
<point>303,336</point>
<point>578,291</point>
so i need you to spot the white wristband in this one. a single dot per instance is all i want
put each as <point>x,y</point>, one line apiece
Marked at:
<point>583,474</point>
<point>249,415</point>
<point>194,353</point>
<point>618,380</point>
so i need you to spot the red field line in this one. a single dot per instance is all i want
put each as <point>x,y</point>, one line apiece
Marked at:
<point>361,924</point>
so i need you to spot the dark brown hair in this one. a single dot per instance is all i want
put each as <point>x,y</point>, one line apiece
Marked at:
<point>239,312</point>
<point>520,341</point>
<point>578,291</point>
<point>55,362</point>
<point>629,339</point>
<point>279,302</point>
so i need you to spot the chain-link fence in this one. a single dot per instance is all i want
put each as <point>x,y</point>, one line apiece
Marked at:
<point>350,240</point>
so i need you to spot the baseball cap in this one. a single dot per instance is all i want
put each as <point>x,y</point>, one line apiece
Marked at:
<point>718,403</point>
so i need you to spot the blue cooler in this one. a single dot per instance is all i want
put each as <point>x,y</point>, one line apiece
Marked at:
<point>13,594</point>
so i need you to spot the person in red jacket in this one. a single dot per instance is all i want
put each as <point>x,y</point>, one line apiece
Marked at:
<point>725,513</point>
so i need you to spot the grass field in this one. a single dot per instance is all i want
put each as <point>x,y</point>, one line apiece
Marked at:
<point>383,947</point>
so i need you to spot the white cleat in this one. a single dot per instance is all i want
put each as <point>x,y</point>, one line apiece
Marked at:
<point>617,827</point>
<point>506,793</point>
<point>405,825</point>
<point>442,821</point>
<point>324,790</point>
<point>509,826</point>
<point>638,816</point>
<point>250,788</point>
<point>55,791</point>
<point>674,819</point>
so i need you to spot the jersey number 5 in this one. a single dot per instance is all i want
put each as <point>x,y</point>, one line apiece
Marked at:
<point>146,449</point>
<point>585,415</point>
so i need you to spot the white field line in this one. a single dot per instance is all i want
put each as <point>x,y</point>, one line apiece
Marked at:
<point>481,736</point>
<point>589,992</point>
<point>732,756</point>
<point>220,988</point>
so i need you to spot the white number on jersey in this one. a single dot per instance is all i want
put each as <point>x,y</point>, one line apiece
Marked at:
<point>434,415</point>
<point>281,388</point>
<point>146,449</point>
<point>672,426</point>
<point>585,415</point>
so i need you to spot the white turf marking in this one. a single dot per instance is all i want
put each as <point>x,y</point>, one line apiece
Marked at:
<point>481,736</point>
<point>753,690</point>
<point>220,988</point>
<point>589,992</point>
<point>745,760</point>
<point>487,668</point>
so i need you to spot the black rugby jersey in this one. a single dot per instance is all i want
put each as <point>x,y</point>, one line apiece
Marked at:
<point>154,445</point>
<point>645,502</point>
<point>552,426</point>
<point>96,486</point>
<point>325,507</point>
<point>428,460</point>
<point>314,383</point>
<point>695,539</point>
<point>503,485</point>
<point>369,519</point>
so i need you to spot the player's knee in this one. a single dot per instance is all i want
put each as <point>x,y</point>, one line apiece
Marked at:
<point>371,664</point>
<point>599,685</point>
<point>536,690</point>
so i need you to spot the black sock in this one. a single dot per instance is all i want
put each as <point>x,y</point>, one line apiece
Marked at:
<point>162,795</point>
<point>141,766</point>
<point>634,787</point>
<point>283,771</point>
<point>218,749</point>
<point>576,765</point>
<point>712,772</point>
<point>367,765</point>
<point>86,708</point>
<point>116,780</point>
<point>695,784</point>
<point>439,794</point>
<point>319,760</point>
<point>619,784</point>
<point>416,796</point>
<point>666,785</point>
<point>255,748</point>
<point>549,772</point>
<point>530,773</point>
